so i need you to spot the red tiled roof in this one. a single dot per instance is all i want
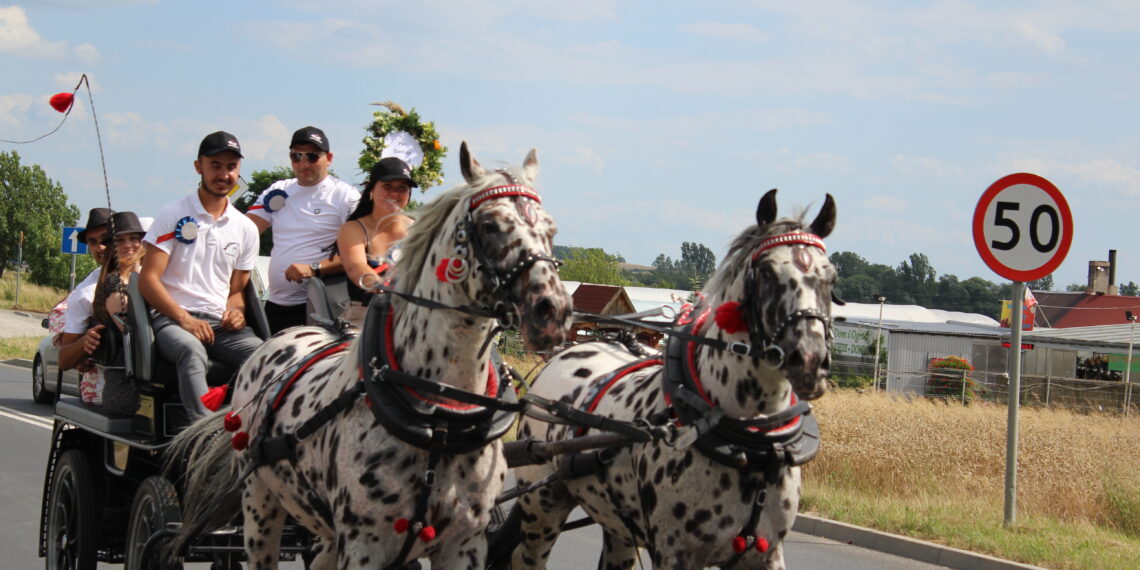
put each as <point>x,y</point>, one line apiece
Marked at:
<point>602,299</point>
<point>1066,310</point>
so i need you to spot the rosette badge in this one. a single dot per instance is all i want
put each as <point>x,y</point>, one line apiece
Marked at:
<point>275,200</point>
<point>187,230</point>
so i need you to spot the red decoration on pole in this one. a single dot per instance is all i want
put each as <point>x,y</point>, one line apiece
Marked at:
<point>62,101</point>
<point>240,440</point>
<point>215,397</point>
<point>232,422</point>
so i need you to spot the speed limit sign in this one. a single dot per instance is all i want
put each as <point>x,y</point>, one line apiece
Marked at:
<point>1023,227</point>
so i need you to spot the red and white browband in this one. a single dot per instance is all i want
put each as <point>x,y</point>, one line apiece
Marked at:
<point>504,191</point>
<point>793,238</point>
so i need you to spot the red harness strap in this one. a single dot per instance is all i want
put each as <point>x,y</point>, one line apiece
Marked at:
<point>609,382</point>
<point>341,347</point>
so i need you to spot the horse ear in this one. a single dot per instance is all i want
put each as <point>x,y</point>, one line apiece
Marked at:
<point>766,211</point>
<point>530,165</point>
<point>470,167</point>
<point>825,221</point>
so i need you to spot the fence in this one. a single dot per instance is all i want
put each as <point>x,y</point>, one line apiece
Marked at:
<point>967,386</point>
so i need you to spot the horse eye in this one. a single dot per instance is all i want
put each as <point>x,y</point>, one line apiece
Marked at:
<point>489,227</point>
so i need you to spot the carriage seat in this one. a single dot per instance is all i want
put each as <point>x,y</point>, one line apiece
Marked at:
<point>75,411</point>
<point>327,297</point>
<point>156,375</point>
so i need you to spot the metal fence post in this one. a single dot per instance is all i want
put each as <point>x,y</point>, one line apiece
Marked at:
<point>964,387</point>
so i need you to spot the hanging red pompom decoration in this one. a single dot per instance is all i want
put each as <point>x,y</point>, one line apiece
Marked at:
<point>739,544</point>
<point>730,318</point>
<point>215,397</point>
<point>400,526</point>
<point>428,533</point>
<point>62,101</point>
<point>232,422</point>
<point>762,545</point>
<point>240,440</point>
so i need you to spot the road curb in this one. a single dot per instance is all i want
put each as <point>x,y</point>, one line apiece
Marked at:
<point>902,546</point>
<point>21,362</point>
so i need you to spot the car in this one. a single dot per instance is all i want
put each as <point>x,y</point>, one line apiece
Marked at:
<point>47,378</point>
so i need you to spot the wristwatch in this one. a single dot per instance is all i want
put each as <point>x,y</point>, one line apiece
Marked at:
<point>316,266</point>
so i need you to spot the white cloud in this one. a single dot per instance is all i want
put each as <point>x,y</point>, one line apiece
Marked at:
<point>588,157</point>
<point>86,53</point>
<point>742,32</point>
<point>675,213</point>
<point>13,107</point>
<point>885,203</point>
<point>18,37</point>
<point>925,166</point>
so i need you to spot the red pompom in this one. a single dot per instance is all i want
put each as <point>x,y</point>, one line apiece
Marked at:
<point>240,440</point>
<point>428,533</point>
<point>215,398</point>
<point>441,269</point>
<point>400,526</point>
<point>739,544</point>
<point>62,101</point>
<point>232,422</point>
<point>730,318</point>
<point>762,545</point>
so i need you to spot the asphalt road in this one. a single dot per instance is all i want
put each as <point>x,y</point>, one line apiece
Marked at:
<point>26,429</point>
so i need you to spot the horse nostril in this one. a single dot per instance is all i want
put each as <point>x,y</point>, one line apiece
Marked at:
<point>544,309</point>
<point>795,359</point>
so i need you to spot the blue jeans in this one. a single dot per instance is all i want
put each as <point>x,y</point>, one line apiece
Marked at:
<point>191,357</point>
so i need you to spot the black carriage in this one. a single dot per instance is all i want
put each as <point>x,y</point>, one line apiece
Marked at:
<point>105,493</point>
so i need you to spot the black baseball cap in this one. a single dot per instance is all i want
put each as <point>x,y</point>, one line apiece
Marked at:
<point>219,142</point>
<point>391,168</point>
<point>96,218</point>
<point>310,135</point>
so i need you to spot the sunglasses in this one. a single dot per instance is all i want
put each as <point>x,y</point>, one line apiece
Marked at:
<point>311,156</point>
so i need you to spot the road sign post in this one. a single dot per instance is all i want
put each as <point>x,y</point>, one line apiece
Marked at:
<point>1022,229</point>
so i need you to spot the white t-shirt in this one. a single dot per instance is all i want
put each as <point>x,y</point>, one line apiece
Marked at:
<point>79,303</point>
<point>198,273</point>
<point>305,222</point>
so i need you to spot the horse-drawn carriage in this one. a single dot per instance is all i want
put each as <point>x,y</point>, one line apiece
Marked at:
<point>386,443</point>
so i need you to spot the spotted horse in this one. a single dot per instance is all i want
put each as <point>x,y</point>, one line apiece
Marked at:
<point>386,445</point>
<point>732,386</point>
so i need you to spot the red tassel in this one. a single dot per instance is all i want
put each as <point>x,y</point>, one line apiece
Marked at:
<point>215,397</point>
<point>428,533</point>
<point>739,544</point>
<point>62,101</point>
<point>762,545</point>
<point>441,269</point>
<point>400,526</point>
<point>232,422</point>
<point>240,440</point>
<point>730,318</point>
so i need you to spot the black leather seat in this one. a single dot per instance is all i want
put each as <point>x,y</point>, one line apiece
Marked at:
<point>327,298</point>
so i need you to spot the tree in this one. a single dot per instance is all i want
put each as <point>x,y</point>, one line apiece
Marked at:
<point>1076,287</point>
<point>34,204</point>
<point>1043,284</point>
<point>848,264</point>
<point>697,259</point>
<point>591,265</point>
<point>1131,289</point>
<point>259,180</point>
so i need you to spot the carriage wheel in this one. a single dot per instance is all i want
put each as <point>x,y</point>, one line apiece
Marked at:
<point>71,519</point>
<point>155,505</point>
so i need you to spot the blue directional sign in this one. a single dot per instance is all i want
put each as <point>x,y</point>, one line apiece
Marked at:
<point>71,241</point>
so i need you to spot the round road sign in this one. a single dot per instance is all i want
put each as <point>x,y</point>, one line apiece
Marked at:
<point>1023,227</point>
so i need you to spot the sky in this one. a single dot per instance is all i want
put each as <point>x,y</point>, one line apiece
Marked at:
<point>656,122</point>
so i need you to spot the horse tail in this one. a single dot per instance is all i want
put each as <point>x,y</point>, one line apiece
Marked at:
<point>203,458</point>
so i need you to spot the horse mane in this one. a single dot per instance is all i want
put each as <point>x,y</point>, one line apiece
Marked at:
<point>430,220</point>
<point>739,255</point>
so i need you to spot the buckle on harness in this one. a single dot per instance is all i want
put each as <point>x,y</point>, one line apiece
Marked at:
<point>741,348</point>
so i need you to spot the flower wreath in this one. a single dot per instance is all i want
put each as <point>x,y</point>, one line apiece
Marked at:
<point>393,127</point>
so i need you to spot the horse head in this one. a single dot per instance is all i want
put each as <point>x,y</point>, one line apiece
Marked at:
<point>494,250</point>
<point>779,273</point>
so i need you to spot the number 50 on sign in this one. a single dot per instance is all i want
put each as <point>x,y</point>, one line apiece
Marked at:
<point>1023,227</point>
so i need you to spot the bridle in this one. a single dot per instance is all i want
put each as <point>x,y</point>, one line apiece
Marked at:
<point>760,336</point>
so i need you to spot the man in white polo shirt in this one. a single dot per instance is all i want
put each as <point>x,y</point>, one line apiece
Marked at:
<point>200,250</point>
<point>306,213</point>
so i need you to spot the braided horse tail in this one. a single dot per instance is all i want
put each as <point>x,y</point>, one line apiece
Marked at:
<point>203,458</point>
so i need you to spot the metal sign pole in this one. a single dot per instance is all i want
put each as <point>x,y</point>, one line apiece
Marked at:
<point>1014,403</point>
<point>72,287</point>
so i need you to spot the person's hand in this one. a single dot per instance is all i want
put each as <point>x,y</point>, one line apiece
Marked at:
<point>387,207</point>
<point>91,339</point>
<point>233,319</point>
<point>298,272</point>
<point>199,328</point>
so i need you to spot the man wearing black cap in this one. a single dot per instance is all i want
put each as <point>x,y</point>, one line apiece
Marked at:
<point>200,250</point>
<point>93,234</point>
<point>306,213</point>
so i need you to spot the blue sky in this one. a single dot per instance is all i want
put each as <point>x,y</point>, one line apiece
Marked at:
<point>656,122</point>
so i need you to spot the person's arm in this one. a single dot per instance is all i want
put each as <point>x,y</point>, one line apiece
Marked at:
<point>233,318</point>
<point>298,272</point>
<point>261,223</point>
<point>353,257</point>
<point>155,293</point>
<point>75,348</point>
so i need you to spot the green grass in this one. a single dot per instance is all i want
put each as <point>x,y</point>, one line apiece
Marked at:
<point>19,347</point>
<point>36,298</point>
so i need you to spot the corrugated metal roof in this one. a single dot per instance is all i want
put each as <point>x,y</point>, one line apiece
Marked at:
<point>946,328</point>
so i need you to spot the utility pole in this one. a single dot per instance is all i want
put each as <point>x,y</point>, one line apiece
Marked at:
<point>879,339</point>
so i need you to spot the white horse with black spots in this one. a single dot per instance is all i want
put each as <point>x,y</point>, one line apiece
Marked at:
<point>723,488</point>
<point>386,445</point>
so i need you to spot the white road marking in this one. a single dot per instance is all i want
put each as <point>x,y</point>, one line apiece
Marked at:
<point>26,418</point>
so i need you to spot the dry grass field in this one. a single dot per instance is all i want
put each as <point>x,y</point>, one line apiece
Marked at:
<point>936,471</point>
